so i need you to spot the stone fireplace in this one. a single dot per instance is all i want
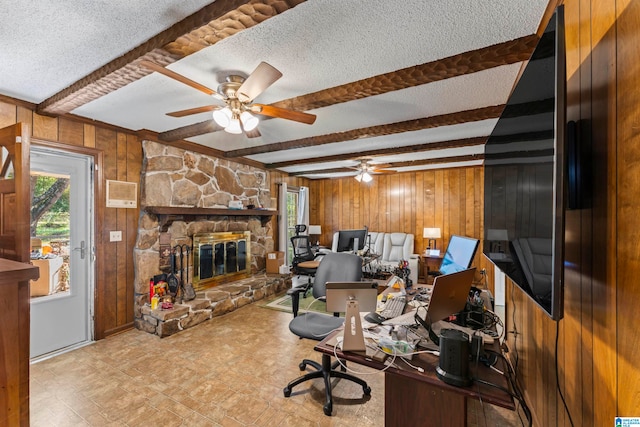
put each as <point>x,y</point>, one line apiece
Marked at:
<point>184,201</point>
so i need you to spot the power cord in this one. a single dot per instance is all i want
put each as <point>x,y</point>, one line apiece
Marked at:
<point>389,364</point>
<point>517,391</point>
<point>566,408</point>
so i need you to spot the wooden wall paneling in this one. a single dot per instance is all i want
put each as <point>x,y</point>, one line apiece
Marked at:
<point>604,205</point>
<point>478,207</point>
<point>409,201</point>
<point>71,132</point>
<point>418,196</point>
<point>8,115</point>
<point>45,127</point>
<point>89,133</point>
<point>134,166</point>
<point>579,11</point>
<point>573,374</point>
<point>383,204</point>
<point>628,235</point>
<point>355,214</point>
<point>395,206</point>
<point>107,142</point>
<point>122,255</point>
<point>24,115</point>
<point>438,206</point>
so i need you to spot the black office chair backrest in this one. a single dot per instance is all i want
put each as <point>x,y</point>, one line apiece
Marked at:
<point>336,267</point>
<point>301,249</point>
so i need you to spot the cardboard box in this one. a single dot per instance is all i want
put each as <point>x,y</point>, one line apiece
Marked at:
<point>274,261</point>
<point>49,276</point>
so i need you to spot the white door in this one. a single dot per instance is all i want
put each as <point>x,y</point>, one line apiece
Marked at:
<point>61,308</point>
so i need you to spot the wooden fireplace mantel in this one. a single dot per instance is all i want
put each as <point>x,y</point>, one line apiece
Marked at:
<point>166,215</point>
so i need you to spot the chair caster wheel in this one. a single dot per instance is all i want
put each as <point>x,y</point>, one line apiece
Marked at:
<point>287,392</point>
<point>328,409</point>
<point>302,366</point>
<point>366,390</point>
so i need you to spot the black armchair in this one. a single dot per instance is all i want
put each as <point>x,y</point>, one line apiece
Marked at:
<point>335,267</point>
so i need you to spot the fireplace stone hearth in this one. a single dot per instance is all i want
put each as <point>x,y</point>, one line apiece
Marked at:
<point>210,303</point>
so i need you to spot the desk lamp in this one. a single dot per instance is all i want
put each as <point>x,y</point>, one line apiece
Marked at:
<point>432,234</point>
<point>315,230</point>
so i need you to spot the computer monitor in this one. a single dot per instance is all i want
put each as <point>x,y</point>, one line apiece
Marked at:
<point>459,254</point>
<point>347,239</point>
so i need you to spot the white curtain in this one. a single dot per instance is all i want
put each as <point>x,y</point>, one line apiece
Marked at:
<point>282,220</point>
<point>303,207</point>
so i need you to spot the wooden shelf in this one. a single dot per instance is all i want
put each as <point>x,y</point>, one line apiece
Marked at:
<point>167,215</point>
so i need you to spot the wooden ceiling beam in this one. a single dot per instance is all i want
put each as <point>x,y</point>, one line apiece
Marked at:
<point>212,23</point>
<point>436,161</point>
<point>458,117</point>
<point>505,53</point>
<point>441,145</point>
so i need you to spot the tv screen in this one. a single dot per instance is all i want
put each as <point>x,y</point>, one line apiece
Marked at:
<point>524,176</point>
<point>346,239</point>
<point>459,254</point>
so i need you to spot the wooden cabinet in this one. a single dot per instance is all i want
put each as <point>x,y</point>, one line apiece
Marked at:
<point>14,341</point>
<point>427,263</point>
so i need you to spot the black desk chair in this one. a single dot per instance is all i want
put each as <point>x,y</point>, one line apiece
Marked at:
<point>305,261</point>
<point>335,267</point>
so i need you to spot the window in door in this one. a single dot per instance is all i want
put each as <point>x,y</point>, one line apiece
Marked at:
<point>50,232</point>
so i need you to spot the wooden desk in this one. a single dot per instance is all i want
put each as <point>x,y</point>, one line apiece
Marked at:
<point>417,399</point>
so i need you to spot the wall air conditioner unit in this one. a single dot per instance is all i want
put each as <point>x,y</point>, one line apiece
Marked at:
<point>122,194</point>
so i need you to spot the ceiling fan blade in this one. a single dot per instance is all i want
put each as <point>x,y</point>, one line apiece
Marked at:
<point>190,111</point>
<point>283,113</point>
<point>255,133</point>
<point>178,77</point>
<point>379,165</point>
<point>383,171</point>
<point>262,77</point>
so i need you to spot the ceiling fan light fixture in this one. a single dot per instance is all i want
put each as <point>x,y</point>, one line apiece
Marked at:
<point>366,177</point>
<point>222,116</point>
<point>249,121</point>
<point>234,126</point>
<point>358,177</point>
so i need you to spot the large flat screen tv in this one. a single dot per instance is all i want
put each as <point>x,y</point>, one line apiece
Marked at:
<point>524,176</point>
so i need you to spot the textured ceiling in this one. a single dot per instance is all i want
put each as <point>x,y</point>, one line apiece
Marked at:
<point>415,84</point>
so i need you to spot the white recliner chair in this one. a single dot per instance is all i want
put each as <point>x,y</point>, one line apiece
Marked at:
<point>397,247</point>
<point>375,242</point>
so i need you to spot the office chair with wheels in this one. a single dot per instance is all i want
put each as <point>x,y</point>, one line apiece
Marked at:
<point>305,262</point>
<point>335,267</point>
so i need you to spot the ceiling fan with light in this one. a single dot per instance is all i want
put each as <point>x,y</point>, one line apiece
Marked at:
<point>237,113</point>
<point>366,170</point>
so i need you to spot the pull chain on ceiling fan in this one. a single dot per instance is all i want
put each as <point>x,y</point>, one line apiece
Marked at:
<point>237,93</point>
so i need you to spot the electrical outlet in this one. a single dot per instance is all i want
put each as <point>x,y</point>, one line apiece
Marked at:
<point>115,236</point>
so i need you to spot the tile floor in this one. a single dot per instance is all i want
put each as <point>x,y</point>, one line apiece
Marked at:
<point>228,371</point>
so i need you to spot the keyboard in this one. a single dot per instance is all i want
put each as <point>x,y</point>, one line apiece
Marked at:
<point>394,307</point>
